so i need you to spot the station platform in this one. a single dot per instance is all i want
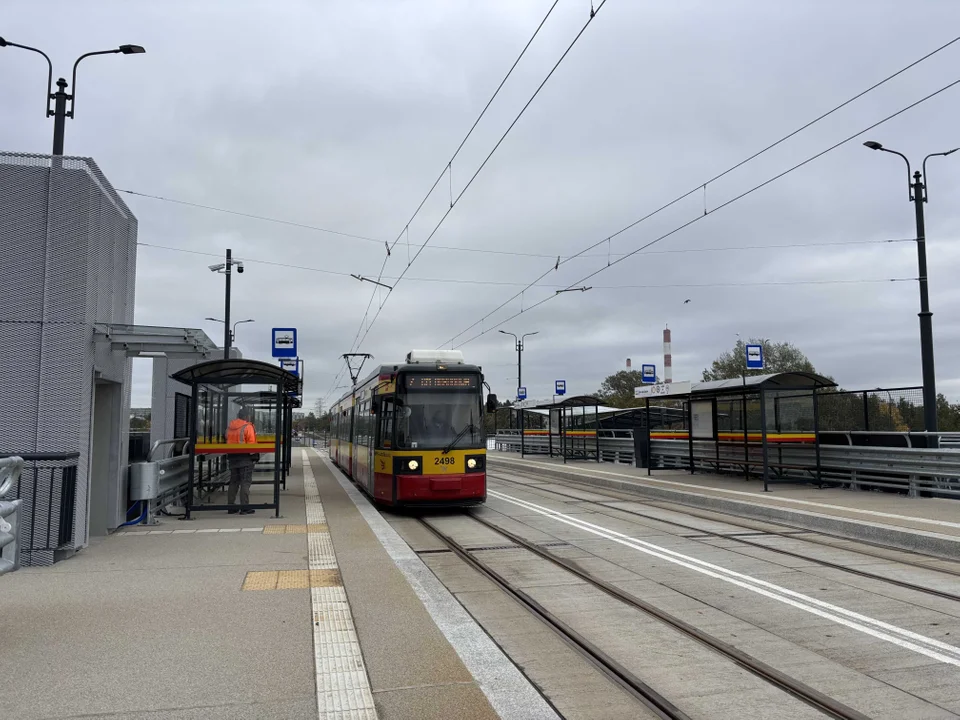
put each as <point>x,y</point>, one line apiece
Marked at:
<point>323,613</point>
<point>926,525</point>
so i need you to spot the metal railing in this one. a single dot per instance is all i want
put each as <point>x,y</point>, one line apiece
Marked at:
<point>914,470</point>
<point>10,470</point>
<point>47,485</point>
<point>934,471</point>
<point>616,446</point>
<point>164,479</point>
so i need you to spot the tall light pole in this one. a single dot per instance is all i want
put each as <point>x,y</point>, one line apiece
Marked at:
<point>59,112</point>
<point>519,343</point>
<point>226,268</point>
<point>918,196</point>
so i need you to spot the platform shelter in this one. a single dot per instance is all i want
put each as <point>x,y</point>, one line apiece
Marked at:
<point>219,388</point>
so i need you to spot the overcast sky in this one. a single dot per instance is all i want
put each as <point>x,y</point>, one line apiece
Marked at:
<point>342,114</point>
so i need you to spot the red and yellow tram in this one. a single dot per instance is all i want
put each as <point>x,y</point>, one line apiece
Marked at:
<point>412,434</point>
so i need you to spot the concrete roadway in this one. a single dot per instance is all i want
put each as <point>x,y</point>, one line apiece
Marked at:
<point>886,651</point>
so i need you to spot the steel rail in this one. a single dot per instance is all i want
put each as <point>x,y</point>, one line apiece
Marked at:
<point>612,669</point>
<point>775,677</point>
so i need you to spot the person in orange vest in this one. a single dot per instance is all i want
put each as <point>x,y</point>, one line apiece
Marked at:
<point>241,432</point>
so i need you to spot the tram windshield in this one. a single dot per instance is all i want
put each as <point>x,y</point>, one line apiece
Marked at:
<point>440,418</point>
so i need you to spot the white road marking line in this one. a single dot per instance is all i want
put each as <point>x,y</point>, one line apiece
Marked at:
<point>692,488</point>
<point>877,628</point>
<point>343,688</point>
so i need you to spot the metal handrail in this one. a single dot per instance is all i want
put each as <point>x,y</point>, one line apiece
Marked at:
<point>164,444</point>
<point>10,469</point>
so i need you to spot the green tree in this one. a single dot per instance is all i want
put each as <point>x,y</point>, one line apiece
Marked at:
<point>617,390</point>
<point>777,357</point>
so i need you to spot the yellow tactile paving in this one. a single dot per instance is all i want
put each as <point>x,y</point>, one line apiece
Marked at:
<point>294,529</point>
<point>290,579</point>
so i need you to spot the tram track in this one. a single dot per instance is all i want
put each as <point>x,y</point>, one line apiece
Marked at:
<point>607,665</point>
<point>634,685</point>
<point>746,542</point>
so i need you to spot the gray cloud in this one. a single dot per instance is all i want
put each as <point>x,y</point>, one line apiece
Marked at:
<point>341,115</point>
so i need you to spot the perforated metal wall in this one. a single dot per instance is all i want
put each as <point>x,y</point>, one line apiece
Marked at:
<point>69,247</point>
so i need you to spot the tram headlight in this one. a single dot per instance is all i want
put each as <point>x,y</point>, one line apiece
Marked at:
<point>475,463</point>
<point>471,463</point>
<point>407,465</point>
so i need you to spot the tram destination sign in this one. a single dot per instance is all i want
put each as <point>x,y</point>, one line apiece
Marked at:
<point>662,389</point>
<point>442,382</point>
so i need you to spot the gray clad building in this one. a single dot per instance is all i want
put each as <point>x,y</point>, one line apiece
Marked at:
<point>68,245</point>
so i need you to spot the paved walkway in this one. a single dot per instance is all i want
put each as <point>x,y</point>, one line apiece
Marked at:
<point>161,623</point>
<point>245,617</point>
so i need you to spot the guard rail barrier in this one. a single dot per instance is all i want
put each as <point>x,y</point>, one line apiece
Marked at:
<point>166,480</point>
<point>933,471</point>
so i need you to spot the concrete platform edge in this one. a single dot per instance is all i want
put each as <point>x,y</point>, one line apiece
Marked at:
<point>912,540</point>
<point>509,692</point>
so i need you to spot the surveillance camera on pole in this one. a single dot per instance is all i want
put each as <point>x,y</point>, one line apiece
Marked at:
<point>226,268</point>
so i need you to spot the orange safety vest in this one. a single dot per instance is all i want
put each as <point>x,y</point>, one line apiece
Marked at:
<point>240,432</point>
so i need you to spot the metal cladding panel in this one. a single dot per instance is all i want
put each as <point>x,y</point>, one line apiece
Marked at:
<point>67,246</point>
<point>23,188</point>
<point>20,380</point>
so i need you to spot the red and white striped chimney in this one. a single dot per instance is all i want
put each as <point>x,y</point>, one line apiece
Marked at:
<point>667,357</point>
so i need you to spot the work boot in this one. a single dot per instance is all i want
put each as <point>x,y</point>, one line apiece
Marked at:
<point>232,511</point>
<point>249,511</point>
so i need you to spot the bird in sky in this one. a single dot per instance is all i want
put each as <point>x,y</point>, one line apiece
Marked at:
<point>686,301</point>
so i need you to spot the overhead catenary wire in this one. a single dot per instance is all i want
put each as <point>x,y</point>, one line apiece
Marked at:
<point>698,217</point>
<point>463,142</point>
<point>448,170</point>
<point>593,14</point>
<point>706,213</point>
<point>702,184</point>
<point>723,248</point>
<point>265,218</point>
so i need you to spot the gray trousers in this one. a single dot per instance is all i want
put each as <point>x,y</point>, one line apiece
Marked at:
<point>241,476</point>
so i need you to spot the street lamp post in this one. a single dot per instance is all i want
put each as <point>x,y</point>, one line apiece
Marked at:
<point>519,344</point>
<point>59,112</point>
<point>918,196</point>
<point>233,333</point>
<point>226,268</point>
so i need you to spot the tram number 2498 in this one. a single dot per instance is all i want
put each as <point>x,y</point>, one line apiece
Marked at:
<point>443,461</point>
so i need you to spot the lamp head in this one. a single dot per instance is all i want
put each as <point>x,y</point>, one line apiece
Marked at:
<point>131,49</point>
<point>873,145</point>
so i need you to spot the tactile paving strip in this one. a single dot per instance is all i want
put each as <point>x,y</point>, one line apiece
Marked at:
<point>291,579</point>
<point>343,688</point>
<point>294,529</point>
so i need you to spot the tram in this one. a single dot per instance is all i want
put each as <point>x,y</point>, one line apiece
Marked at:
<point>412,434</point>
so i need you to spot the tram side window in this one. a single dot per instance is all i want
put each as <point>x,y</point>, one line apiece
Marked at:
<point>385,424</point>
<point>363,424</point>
